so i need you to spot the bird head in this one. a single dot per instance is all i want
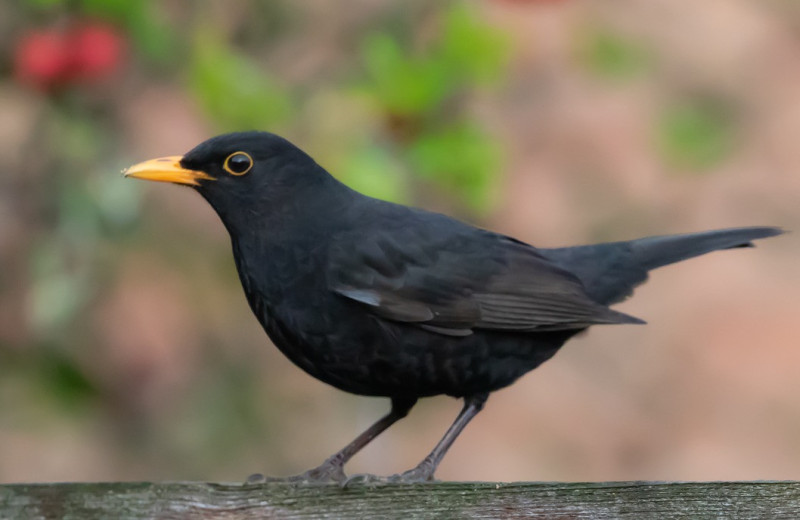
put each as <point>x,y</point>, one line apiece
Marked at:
<point>244,173</point>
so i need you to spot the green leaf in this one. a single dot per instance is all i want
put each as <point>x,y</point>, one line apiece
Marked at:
<point>66,379</point>
<point>372,171</point>
<point>45,4</point>
<point>695,135</point>
<point>403,84</point>
<point>461,158</point>
<point>469,47</point>
<point>116,9</point>
<point>612,56</point>
<point>234,91</point>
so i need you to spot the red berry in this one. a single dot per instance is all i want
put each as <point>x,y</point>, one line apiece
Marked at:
<point>41,59</point>
<point>50,58</point>
<point>95,51</point>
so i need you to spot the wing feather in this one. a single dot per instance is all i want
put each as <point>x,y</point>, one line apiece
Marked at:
<point>452,283</point>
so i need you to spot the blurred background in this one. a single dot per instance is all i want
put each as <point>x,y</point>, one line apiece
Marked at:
<point>128,351</point>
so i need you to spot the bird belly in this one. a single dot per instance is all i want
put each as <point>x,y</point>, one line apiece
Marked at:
<point>363,354</point>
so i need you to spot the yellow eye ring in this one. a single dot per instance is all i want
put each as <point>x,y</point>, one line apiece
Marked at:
<point>238,163</point>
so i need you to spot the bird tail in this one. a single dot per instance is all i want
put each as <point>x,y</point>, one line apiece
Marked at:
<point>611,271</point>
<point>653,252</point>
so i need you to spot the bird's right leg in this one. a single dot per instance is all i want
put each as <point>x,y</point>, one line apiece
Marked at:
<point>332,470</point>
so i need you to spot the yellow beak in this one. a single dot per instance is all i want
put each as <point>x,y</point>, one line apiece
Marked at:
<point>166,169</point>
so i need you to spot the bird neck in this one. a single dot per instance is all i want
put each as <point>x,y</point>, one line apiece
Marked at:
<point>284,247</point>
<point>290,230</point>
<point>280,212</point>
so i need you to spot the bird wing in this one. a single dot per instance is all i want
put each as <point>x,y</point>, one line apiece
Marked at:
<point>454,282</point>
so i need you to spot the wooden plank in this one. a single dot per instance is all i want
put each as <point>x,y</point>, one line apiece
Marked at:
<point>468,500</point>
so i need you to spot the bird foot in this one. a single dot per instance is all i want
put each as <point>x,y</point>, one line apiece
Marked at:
<point>364,479</point>
<point>326,473</point>
<point>418,475</point>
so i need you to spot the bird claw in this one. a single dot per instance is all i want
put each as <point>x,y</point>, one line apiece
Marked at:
<point>326,473</point>
<point>365,479</point>
<point>418,475</point>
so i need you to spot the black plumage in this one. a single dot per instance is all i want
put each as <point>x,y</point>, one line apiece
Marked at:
<point>382,299</point>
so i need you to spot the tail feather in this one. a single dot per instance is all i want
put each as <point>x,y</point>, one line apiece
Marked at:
<point>653,252</point>
<point>611,271</point>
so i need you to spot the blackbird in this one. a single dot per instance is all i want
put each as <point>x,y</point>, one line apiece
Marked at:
<point>382,299</point>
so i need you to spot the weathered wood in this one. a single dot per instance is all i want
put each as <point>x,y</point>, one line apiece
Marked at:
<point>618,500</point>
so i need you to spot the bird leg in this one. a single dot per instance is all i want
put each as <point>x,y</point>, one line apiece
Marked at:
<point>332,470</point>
<point>425,469</point>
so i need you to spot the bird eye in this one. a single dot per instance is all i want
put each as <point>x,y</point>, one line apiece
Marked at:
<point>238,163</point>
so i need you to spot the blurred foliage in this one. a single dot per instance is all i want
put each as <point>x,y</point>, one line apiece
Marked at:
<point>692,134</point>
<point>65,262</point>
<point>218,74</point>
<point>696,134</point>
<point>419,94</point>
<point>407,83</point>
<point>613,56</point>
<point>359,169</point>
<point>66,380</point>
<point>462,159</point>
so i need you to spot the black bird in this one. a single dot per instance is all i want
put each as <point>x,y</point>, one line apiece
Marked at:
<point>381,299</point>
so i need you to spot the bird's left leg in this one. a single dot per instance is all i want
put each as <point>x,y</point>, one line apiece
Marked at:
<point>332,470</point>
<point>425,469</point>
